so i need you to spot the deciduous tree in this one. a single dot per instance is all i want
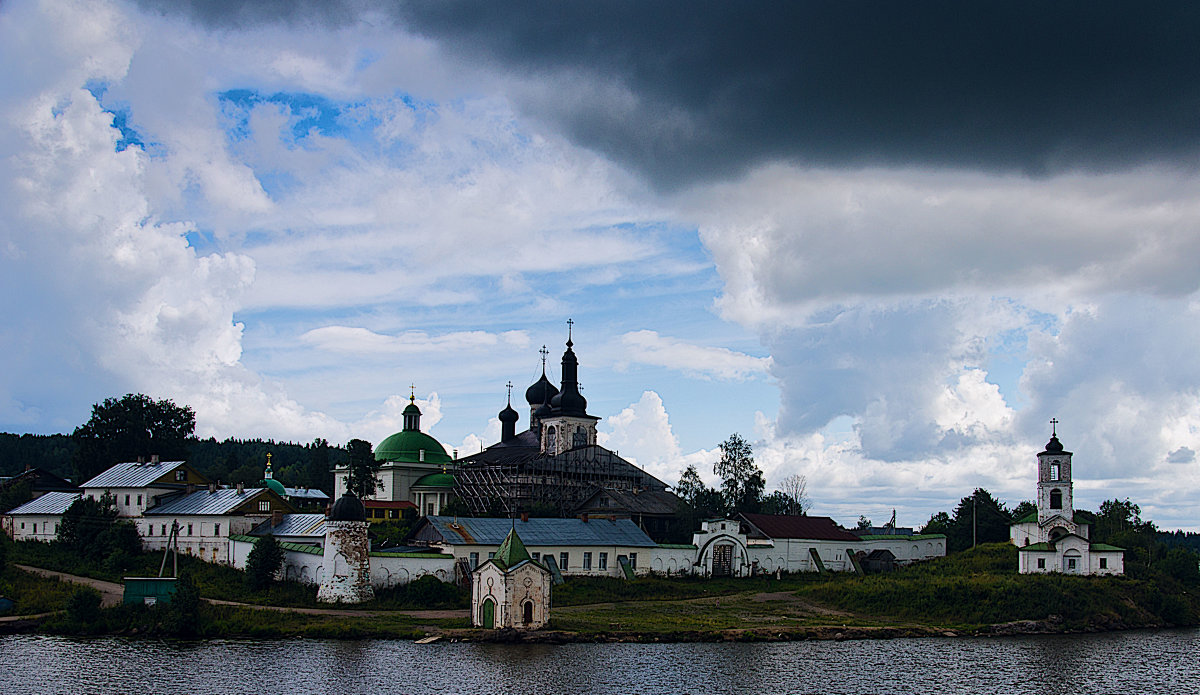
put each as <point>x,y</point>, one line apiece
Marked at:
<point>362,469</point>
<point>122,429</point>
<point>742,481</point>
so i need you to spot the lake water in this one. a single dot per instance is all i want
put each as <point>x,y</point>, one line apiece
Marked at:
<point>1129,663</point>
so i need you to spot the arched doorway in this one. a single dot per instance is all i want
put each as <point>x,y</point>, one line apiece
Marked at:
<point>487,614</point>
<point>527,613</point>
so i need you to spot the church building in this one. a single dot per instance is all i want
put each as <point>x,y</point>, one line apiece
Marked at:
<point>555,465</point>
<point>1056,538</point>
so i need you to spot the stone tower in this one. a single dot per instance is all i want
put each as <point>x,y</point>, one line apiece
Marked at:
<point>347,562</point>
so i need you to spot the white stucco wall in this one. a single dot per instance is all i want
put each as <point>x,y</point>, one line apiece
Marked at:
<point>34,527</point>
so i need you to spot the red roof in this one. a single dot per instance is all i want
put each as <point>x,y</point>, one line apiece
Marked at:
<point>820,528</point>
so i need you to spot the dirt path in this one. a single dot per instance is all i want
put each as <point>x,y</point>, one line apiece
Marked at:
<point>112,593</point>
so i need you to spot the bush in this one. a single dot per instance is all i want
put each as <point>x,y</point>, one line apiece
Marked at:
<point>183,615</point>
<point>263,563</point>
<point>83,607</point>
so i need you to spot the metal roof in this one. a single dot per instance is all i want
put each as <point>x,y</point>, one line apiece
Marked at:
<point>540,532</point>
<point>49,503</point>
<point>308,525</point>
<point>220,501</point>
<point>133,474</point>
<point>305,493</point>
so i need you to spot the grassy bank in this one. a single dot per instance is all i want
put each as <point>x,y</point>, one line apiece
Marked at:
<point>968,593</point>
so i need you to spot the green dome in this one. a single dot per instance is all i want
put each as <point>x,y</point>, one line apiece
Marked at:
<point>275,486</point>
<point>435,479</point>
<point>406,447</point>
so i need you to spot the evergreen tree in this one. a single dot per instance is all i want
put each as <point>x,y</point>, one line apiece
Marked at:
<point>263,563</point>
<point>124,429</point>
<point>362,469</point>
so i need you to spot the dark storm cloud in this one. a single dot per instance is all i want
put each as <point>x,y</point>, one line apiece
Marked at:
<point>716,88</point>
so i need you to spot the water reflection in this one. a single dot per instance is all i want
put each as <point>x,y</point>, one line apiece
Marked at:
<point>1134,662</point>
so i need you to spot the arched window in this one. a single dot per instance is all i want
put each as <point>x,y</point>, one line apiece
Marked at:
<point>580,438</point>
<point>1054,472</point>
<point>1056,499</point>
<point>527,613</point>
<point>551,440</point>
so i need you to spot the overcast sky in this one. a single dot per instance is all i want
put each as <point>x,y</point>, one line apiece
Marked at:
<point>886,242</point>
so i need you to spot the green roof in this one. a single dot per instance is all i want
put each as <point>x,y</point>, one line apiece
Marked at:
<point>435,480</point>
<point>511,552</point>
<point>275,486</point>
<point>679,546</point>
<point>1036,546</point>
<point>902,537</point>
<point>406,447</point>
<point>1105,546</point>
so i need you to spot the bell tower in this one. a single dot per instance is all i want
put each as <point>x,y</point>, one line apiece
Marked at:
<point>1055,490</point>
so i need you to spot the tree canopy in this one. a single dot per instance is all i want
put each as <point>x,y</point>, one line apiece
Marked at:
<point>122,429</point>
<point>742,481</point>
<point>263,563</point>
<point>362,469</point>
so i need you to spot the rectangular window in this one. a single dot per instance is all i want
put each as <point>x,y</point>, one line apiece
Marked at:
<point>150,530</point>
<point>264,506</point>
<point>164,529</point>
<point>216,529</point>
<point>1041,563</point>
<point>1071,564</point>
<point>491,555</point>
<point>180,476</point>
<point>536,556</point>
<point>22,525</point>
<point>429,509</point>
<point>603,561</point>
<point>1103,563</point>
<point>562,561</point>
<point>126,500</point>
<point>474,560</point>
<point>139,500</point>
<point>189,529</point>
<point>587,561</point>
<point>633,561</point>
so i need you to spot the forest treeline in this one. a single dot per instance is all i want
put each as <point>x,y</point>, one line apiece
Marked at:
<point>229,461</point>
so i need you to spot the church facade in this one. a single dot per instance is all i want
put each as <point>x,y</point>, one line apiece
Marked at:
<point>1056,538</point>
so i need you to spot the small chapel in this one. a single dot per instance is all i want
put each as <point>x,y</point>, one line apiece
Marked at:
<point>510,589</point>
<point>1056,537</point>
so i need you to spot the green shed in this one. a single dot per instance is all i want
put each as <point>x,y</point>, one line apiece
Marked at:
<point>150,590</point>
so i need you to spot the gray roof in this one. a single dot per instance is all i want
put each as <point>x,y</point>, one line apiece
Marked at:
<point>539,532</point>
<point>49,503</point>
<point>311,525</point>
<point>303,493</point>
<point>221,501</point>
<point>133,474</point>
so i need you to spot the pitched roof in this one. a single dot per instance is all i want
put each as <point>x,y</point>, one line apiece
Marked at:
<point>1079,517</point>
<point>222,501</point>
<point>308,525</point>
<point>40,481</point>
<point>820,528</point>
<point>49,503</point>
<point>305,493</point>
<point>511,552</point>
<point>535,532</point>
<point>133,474</point>
<point>640,502</point>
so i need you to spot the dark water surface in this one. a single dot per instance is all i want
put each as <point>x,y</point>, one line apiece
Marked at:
<point>1166,661</point>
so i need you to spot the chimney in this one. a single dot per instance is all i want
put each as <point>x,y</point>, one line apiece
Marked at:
<point>191,487</point>
<point>276,517</point>
<point>141,459</point>
<point>153,458</point>
<point>584,517</point>
<point>212,487</point>
<point>241,489</point>
<point>525,517</point>
<point>612,518</point>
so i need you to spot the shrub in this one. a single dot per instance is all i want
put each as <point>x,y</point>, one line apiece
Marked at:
<point>83,607</point>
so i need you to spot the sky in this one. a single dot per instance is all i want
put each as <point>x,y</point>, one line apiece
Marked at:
<point>884,242</point>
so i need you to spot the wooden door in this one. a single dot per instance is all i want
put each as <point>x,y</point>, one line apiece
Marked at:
<point>722,560</point>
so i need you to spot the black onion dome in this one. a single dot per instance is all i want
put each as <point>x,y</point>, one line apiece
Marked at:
<point>541,392</point>
<point>544,410</point>
<point>348,508</point>
<point>569,402</point>
<point>1054,446</point>
<point>508,414</point>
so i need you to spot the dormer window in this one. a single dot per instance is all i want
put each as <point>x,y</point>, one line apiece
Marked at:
<point>180,476</point>
<point>1054,471</point>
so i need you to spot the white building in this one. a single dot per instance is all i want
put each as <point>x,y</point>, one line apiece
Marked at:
<point>208,518</point>
<point>1056,538</point>
<point>136,485</point>
<point>576,547</point>
<point>38,519</point>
